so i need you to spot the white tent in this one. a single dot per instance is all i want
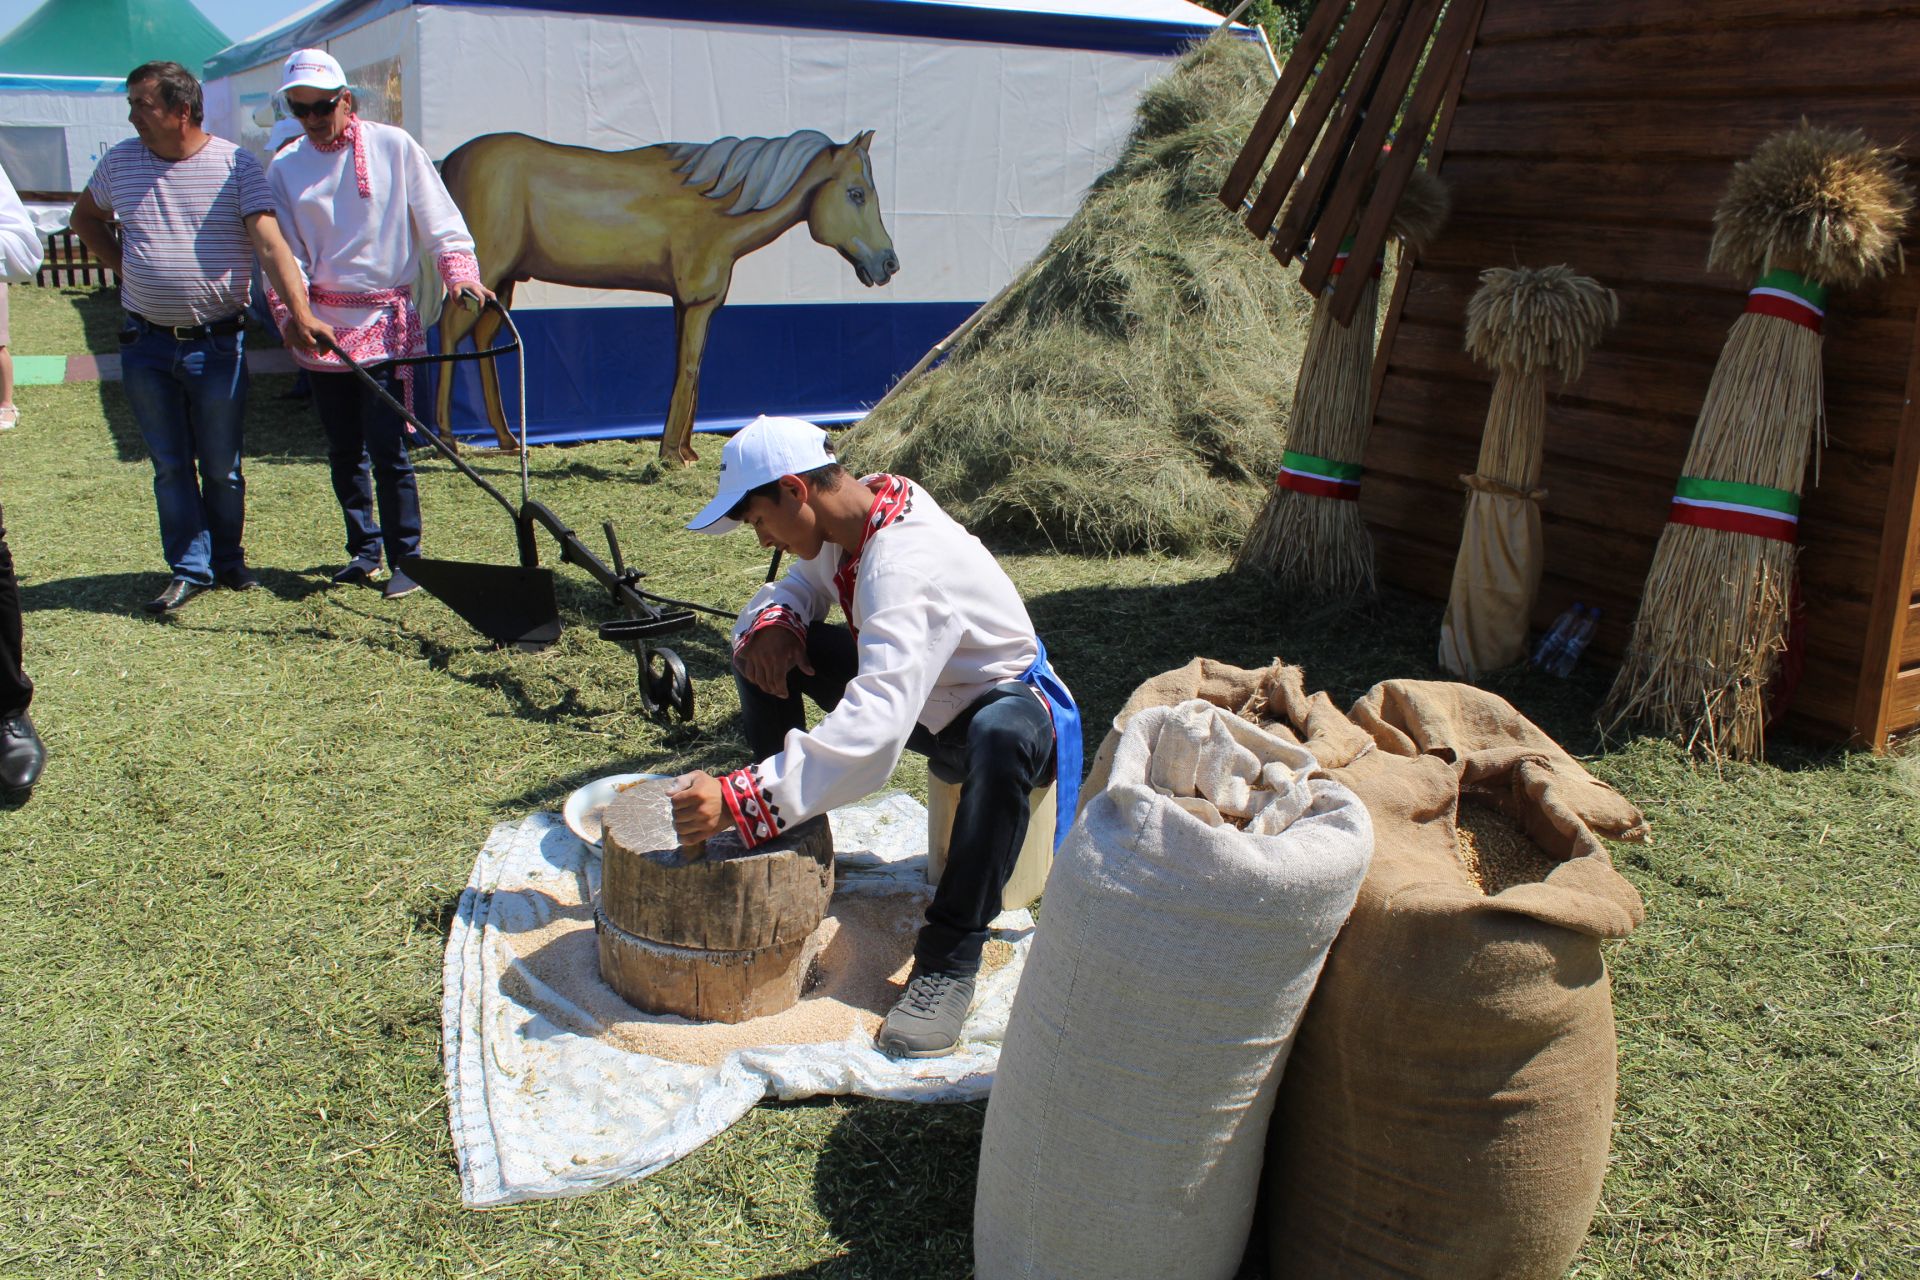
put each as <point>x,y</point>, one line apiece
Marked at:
<point>990,119</point>
<point>54,129</point>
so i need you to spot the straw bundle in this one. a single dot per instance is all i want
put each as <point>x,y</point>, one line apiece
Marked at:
<point>1812,208</point>
<point>1309,536</point>
<point>1525,323</point>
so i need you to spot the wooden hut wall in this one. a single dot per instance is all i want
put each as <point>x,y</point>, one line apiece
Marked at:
<point>1600,133</point>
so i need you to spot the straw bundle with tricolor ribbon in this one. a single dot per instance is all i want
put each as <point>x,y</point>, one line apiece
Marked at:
<point>1525,323</point>
<point>1811,210</point>
<point>1309,536</point>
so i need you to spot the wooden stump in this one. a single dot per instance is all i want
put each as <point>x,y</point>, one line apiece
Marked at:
<point>719,938</point>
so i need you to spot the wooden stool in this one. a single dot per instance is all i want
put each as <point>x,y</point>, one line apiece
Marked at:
<point>720,938</point>
<point>1030,866</point>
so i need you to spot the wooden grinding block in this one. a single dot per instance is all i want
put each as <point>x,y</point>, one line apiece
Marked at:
<point>721,937</point>
<point>732,899</point>
<point>707,986</point>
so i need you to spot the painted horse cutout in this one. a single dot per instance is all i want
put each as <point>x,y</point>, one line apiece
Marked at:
<point>670,218</point>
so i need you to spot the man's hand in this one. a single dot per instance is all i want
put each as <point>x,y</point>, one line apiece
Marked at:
<point>473,293</point>
<point>767,657</point>
<point>305,334</point>
<point>699,812</point>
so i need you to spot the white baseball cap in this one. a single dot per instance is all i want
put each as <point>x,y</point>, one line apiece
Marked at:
<point>313,69</point>
<point>760,453</point>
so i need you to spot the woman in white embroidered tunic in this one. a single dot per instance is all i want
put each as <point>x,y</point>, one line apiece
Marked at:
<point>360,204</point>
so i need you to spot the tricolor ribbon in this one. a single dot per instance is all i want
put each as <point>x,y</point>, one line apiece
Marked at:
<point>1346,251</point>
<point>1787,295</point>
<point>1321,477</point>
<point>1736,508</point>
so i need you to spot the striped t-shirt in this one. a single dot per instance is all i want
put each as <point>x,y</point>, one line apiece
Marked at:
<point>184,250</point>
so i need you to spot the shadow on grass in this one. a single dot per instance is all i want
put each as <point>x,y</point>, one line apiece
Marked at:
<point>1105,640</point>
<point>895,1184</point>
<point>123,594</point>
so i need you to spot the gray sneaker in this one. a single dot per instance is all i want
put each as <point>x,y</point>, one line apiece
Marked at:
<point>926,1021</point>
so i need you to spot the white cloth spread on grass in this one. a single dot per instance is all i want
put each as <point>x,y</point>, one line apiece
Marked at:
<point>542,1108</point>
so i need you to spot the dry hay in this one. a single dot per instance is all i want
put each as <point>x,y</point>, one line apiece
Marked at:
<point>1496,852</point>
<point>1826,203</point>
<point>1306,543</point>
<point>1530,319</point>
<point>1527,322</point>
<point>1125,395</point>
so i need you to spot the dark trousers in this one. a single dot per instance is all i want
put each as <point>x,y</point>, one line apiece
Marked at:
<point>16,691</point>
<point>999,749</point>
<point>364,432</point>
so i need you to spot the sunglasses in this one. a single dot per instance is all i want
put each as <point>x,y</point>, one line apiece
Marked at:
<point>324,107</point>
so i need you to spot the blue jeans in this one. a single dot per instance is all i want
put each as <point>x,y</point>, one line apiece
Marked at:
<point>190,400</point>
<point>999,749</point>
<point>365,435</point>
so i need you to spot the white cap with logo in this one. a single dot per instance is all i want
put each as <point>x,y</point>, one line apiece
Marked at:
<point>313,69</point>
<point>760,453</point>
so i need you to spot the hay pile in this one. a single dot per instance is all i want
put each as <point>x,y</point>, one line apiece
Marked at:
<point>1125,394</point>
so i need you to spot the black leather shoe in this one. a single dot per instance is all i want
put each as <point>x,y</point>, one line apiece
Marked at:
<point>238,578</point>
<point>22,754</point>
<point>178,592</point>
<point>358,573</point>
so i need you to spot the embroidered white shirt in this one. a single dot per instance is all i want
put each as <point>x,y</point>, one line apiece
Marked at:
<point>938,623</point>
<point>373,244</point>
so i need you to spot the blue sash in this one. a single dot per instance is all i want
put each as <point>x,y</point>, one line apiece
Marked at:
<point>1066,739</point>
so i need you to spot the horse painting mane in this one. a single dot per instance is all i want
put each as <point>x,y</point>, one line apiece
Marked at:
<point>764,169</point>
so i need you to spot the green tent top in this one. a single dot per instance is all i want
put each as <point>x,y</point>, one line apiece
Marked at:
<point>109,38</point>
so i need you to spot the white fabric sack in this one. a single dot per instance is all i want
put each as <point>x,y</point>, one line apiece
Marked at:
<point>1173,961</point>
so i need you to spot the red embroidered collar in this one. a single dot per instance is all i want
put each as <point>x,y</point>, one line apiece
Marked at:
<point>892,499</point>
<point>350,136</point>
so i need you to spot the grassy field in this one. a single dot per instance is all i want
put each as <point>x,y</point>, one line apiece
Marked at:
<point>221,934</point>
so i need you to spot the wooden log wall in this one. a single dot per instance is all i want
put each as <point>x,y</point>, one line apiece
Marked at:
<point>1601,133</point>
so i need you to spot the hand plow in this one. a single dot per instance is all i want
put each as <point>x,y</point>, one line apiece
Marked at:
<point>514,604</point>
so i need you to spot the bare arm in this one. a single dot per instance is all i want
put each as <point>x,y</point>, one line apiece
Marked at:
<point>94,227</point>
<point>303,330</point>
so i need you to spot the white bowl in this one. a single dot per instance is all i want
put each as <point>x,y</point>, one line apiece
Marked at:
<point>586,807</point>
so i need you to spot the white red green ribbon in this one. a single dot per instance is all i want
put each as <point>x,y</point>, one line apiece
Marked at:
<point>1787,295</point>
<point>1346,251</point>
<point>1321,477</point>
<point>1736,508</point>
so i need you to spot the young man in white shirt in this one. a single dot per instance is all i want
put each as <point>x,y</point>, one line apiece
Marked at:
<point>362,205</point>
<point>937,654</point>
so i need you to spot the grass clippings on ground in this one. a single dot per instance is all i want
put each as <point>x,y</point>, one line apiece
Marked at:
<point>222,927</point>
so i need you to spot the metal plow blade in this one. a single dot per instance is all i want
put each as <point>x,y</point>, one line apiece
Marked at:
<point>507,604</point>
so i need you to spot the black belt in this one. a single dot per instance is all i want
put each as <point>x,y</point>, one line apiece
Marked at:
<point>191,332</point>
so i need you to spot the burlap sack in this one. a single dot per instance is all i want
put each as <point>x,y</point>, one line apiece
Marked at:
<point>1447,1107</point>
<point>1124,1136</point>
<point>1496,575</point>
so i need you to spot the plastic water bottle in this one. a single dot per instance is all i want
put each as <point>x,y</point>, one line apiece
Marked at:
<point>1576,641</point>
<point>1550,644</point>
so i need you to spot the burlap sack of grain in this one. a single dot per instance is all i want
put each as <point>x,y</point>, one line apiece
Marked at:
<point>1447,1106</point>
<point>1187,917</point>
<point>1450,1101</point>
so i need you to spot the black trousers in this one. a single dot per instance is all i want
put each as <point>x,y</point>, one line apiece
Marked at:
<point>16,691</point>
<point>372,470</point>
<point>999,749</point>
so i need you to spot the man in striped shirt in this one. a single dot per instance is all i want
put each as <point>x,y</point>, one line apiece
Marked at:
<point>193,210</point>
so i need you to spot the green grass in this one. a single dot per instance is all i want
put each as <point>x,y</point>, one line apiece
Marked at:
<point>222,923</point>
